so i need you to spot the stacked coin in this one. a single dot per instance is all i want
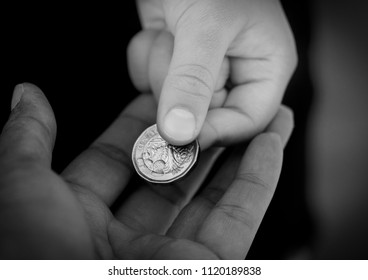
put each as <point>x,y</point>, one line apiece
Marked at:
<point>157,161</point>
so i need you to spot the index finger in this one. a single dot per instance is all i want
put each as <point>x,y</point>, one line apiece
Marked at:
<point>230,227</point>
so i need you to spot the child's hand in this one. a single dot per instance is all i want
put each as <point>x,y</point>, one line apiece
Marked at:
<point>188,49</point>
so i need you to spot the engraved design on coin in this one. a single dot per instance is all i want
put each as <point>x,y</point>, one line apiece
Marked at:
<point>157,161</point>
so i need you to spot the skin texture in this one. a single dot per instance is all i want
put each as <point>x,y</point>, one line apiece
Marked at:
<point>227,62</point>
<point>44,215</point>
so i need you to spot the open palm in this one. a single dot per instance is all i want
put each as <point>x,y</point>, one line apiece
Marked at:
<point>96,209</point>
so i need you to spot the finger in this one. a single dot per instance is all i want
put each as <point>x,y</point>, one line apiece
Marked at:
<point>250,106</point>
<point>282,124</point>
<point>29,135</point>
<point>151,14</point>
<point>237,216</point>
<point>159,61</point>
<point>220,94</point>
<point>106,166</point>
<point>263,59</point>
<point>199,51</point>
<point>138,53</point>
<point>39,216</point>
<point>193,216</point>
<point>152,208</point>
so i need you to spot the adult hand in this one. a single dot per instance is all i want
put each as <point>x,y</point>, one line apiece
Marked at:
<point>44,215</point>
<point>187,51</point>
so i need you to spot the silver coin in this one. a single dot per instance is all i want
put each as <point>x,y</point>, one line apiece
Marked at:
<point>157,161</point>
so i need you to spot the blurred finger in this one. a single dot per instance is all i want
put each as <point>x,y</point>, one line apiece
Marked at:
<point>159,61</point>
<point>29,135</point>
<point>151,14</point>
<point>138,53</point>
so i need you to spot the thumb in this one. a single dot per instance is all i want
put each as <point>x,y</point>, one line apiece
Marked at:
<point>199,51</point>
<point>29,135</point>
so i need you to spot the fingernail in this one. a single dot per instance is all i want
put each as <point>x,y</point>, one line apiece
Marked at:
<point>180,124</point>
<point>17,95</point>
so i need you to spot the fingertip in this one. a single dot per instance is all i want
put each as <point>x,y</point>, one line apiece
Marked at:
<point>264,155</point>
<point>282,124</point>
<point>34,95</point>
<point>17,95</point>
<point>30,86</point>
<point>30,93</point>
<point>31,128</point>
<point>275,139</point>
<point>178,126</point>
<point>27,90</point>
<point>288,113</point>
<point>269,140</point>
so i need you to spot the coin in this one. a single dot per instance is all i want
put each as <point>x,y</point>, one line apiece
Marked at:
<point>157,161</point>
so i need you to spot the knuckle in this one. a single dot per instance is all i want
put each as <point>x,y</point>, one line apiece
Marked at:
<point>194,80</point>
<point>206,13</point>
<point>255,182</point>
<point>238,214</point>
<point>211,195</point>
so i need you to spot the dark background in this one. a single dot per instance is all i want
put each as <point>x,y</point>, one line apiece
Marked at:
<point>76,55</point>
